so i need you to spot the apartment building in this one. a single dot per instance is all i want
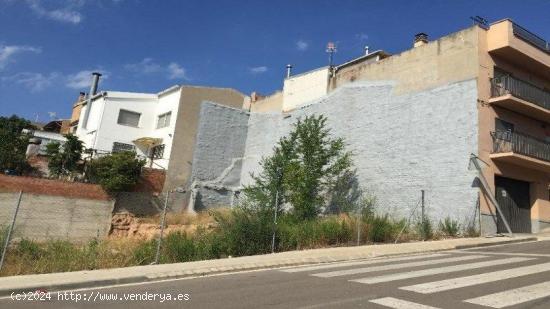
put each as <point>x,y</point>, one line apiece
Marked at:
<point>424,118</point>
<point>159,127</point>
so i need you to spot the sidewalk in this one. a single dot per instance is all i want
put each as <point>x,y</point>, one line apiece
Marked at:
<point>94,278</point>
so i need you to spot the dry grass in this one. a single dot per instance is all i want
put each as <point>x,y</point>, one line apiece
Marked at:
<point>180,219</point>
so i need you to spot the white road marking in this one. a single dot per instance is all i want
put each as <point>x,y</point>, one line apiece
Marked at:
<point>450,284</point>
<point>399,304</point>
<point>362,262</point>
<point>439,270</point>
<point>363,270</point>
<point>503,253</point>
<point>513,297</point>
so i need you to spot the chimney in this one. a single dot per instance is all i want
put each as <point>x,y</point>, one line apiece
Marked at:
<point>81,97</point>
<point>288,70</point>
<point>95,82</point>
<point>93,91</point>
<point>420,39</point>
<point>366,50</point>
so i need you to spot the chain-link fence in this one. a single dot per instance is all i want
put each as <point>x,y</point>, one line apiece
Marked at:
<point>47,233</point>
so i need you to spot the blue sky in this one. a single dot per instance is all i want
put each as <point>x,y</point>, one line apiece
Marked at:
<point>49,47</point>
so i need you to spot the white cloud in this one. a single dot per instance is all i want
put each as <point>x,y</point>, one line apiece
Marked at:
<point>145,66</point>
<point>175,71</point>
<point>66,11</point>
<point>9,51</point>
<point>83,79</point>
<point>172,70</point>
<point>302,45</point>
<point>258,70</point>
<point>35,82</point>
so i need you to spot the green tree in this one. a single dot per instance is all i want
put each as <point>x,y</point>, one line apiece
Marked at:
<point>64,159</point>
<point>13,144</point>
<point>117,172</point>
<point>304,170</point>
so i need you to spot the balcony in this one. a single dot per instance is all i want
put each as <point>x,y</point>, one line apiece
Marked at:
<point>520,96</point>
<point>530,38</point>
<point>518,45</point>
<point>521,149</point>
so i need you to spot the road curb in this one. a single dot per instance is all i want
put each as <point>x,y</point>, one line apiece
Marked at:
<point>208,271</point>
<point>504,242</point>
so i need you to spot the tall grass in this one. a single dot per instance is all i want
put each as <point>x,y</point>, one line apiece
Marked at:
<point>235,233</point>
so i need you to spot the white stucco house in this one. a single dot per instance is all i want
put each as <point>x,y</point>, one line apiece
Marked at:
<point>141,122</point>
<point>157,126</point>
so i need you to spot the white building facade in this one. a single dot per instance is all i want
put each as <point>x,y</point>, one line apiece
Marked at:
<point>140,122</point>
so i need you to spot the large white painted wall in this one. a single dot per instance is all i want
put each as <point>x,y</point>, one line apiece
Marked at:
<point>402,143</point>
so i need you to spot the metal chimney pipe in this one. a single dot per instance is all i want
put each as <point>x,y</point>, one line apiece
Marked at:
<point>366,50</point>
<point>93,91</point>
<point>95,83</point>
<point>288,70</point>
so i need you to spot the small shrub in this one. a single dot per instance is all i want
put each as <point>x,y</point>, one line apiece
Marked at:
<point>449,227</point>
<point>425,229</point>
<point>144,253</point>
<point>117,172</point>
<point>178,247</point>
<point>471,231</point>
<point>381,228</point>
<point>245,232</point>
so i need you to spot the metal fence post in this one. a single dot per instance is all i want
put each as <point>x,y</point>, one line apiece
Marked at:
<point>275,221</point>
<point>157,255</point>
<point>10,230</point>
<point>358,228</point>
<point>423,209</point>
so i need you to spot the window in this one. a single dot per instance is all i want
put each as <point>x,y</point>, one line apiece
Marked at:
<point>128,118</point>
<point>164,120</point>
<point>157,152</point>
<point>120,147</point>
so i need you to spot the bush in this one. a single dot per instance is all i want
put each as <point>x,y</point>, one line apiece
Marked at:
<point>117,172</point>
<point>144,253</point>
<point>425,229</point>
<point>245,232</point>
<point>449,227</point>
<point>64,159</point>
<point>471,231</point>
<point>13,144</point>
<point>381,228</point>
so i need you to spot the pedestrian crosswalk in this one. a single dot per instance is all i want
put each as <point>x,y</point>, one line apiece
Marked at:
<point>418,267</point>
<point>455,283</point>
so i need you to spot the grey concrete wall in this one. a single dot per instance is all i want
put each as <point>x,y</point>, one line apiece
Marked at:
<point>402,143</point>
<point>42,217</point>
<point>219,148</point>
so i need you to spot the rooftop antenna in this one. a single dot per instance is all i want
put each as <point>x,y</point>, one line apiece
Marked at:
<point>331,49</point>
<point>480,21</point>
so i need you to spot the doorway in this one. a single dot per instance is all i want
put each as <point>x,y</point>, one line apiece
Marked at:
<point>513,198</point>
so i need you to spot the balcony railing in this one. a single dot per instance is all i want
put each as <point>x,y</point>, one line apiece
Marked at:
<point>531,38</point>
<point>507,84</point>
<point>519,143</point>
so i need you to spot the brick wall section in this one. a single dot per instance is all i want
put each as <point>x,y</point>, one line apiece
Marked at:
<point>52,187</point>
<point>151,180</point>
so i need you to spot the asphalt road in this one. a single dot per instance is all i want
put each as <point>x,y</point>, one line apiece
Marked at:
<point>511,276</point>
